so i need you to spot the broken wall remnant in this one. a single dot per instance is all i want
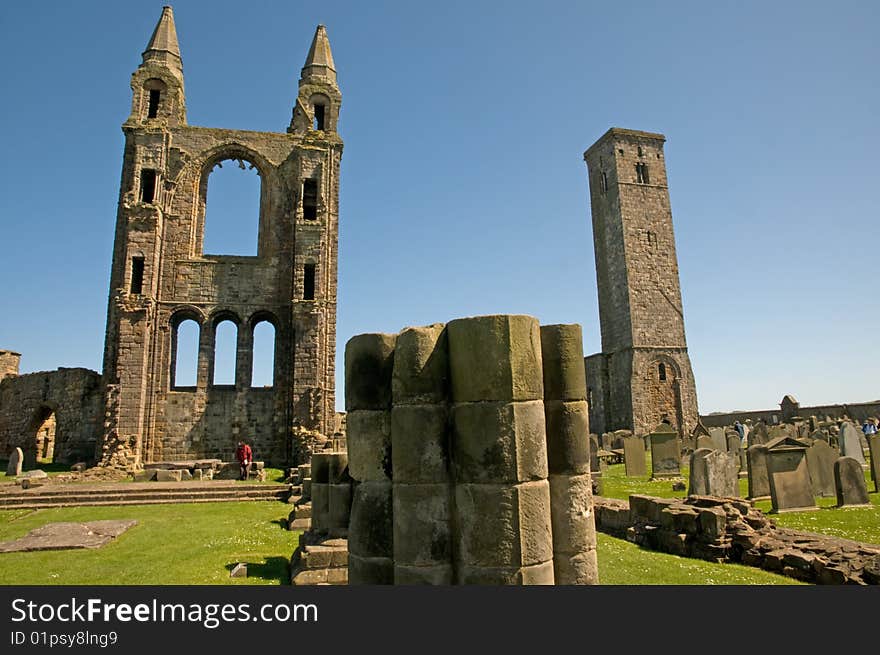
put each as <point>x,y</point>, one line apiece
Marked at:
<point>483,475</point>
<point>163,279</point>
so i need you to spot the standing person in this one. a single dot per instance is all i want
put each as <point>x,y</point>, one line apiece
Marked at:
<point>245,457</point>
<point>868,428</point>
<point>740,430</point>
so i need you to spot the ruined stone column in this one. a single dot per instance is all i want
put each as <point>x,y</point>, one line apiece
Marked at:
<point>568,456</point>
<point>422,489</point>
<point>331,493</point>
<point>369,361</point>
<point>499,453</point>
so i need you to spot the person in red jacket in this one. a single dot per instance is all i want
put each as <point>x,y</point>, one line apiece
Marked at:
<point>245,457</point>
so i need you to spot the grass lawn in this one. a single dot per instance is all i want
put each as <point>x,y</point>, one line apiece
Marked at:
<point>193,543</point>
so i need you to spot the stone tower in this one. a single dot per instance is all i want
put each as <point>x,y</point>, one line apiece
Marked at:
<point>643,375</point>
<point>161,276</point>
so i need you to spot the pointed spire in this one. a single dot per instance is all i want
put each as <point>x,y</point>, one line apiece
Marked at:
<point>319,62</point>
<point>163,47</point>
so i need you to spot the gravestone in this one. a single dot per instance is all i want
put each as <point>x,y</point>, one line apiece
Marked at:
<point>820,435</point>
<point>665,452</point>
<point>719,441</point>
<point>849,483</point>
<point>789,476</point>
<point>874,449</point>
<point>634,456</point>
<point>758,434</point>
<point>781,430</point>
<point>607,440</point>
<point>734,446</point>
<point>594,454</point>
<point>850,443</point>
<point>820,463</point>
<point>759,476</point>
<point>16,458</point>
<point>713,473</point>
<point>704,442</point>
<point>813,423</point>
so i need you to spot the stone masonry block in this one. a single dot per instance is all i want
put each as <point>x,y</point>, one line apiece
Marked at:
<point>568,436</point>
<point>503,525</point>
<point>369,444</point>
<point>421,366</point>
<point>495,358</point>
<point>439,575</point>
<point>422,532</point>
<point>370,570</point>
<point>579,569</point>
<point>571,510</point>
<point>538,574</point>
<point>562,353</point>
<point>370,530</point>
<point>320,505</point>
<point>497,442</point>
<point>339,510</point>
<point>369,361</point>
<point>420,443</point>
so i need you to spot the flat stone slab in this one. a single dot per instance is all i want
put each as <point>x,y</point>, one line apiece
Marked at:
<point>64,536</point>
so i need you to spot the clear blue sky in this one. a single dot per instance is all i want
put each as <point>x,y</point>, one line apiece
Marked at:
<point>463,186</point>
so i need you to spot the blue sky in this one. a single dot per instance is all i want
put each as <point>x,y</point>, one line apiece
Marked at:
<point>463,187</point>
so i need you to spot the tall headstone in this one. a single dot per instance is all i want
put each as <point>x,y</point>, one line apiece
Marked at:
<point>634,457</point>
<point>595,466</point>
<point>719,441</point>
<point>713,473</point>
<point>820,462</point>
<point>851,443</point>
<point>758,435</point>
<point>849,483</point>
<point>759,476</point>
<point>874,449</point>
<point>734,446</point>
<point>704,442</point>
<point>789,476</point>
<point>16,458</point>
<point>665,452</point>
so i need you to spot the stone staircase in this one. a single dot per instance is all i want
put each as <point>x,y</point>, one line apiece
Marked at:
<point>135,493</point>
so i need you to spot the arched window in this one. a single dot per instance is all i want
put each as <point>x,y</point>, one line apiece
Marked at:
<point>225,348</point>
<point>263,371</point>
<point>232,209</point>
<point>185,354</point>
<point>662,370</point>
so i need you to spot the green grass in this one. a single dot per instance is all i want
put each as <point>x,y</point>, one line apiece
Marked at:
<point>624,563</point>
<point>193,543</point>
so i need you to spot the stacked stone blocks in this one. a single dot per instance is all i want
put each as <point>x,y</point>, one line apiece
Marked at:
<point>449,441</point>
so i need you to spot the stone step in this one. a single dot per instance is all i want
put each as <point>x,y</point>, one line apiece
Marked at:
<point>54,504</point>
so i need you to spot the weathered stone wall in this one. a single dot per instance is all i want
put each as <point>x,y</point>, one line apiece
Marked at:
<point>640,309</point>
<point>9,362</point>
<point>855,411</point>
<point>181,282</point>
<point>69,396</point>
<point>731,530</point>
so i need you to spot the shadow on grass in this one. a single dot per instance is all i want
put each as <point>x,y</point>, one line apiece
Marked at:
<point>281,523</point>
<point>273,568</point>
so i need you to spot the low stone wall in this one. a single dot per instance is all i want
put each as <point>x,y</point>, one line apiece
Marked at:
<point>731,530</point>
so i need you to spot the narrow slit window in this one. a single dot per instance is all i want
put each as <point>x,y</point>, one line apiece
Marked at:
<point>309,282</point>
<point>153,107</point>
<point>604,182</point>
<point>642,173</point>
<point>310,199</point>
<point>137,275</point>
<point>319,117</point>
<point>148,185</point>
<point>662,370</point>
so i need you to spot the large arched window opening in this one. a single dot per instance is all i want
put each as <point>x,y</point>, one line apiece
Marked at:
<point>263,371</point>
<point>185,349</point>
<point>232,208</point>
<point>225,348</point>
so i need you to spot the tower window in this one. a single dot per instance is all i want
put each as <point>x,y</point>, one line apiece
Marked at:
<point>148,185</point>
<point>662,370</point>
<point>642,173</point>
<point>604,182</point>
<point>641,154</point>
<point>137,275</point>
<point>153,107</point>
<point>651,237</point>
<point>590,396</point>
<point>319,117</point>
<point>310,199</point>
<point>309,282</point>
